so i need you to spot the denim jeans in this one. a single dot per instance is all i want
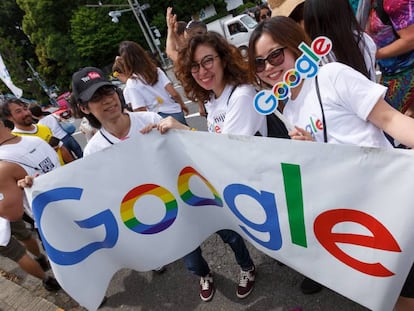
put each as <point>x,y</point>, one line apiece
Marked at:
<point>179,116</point>
<point>195,262</point>
<point>72,145</point>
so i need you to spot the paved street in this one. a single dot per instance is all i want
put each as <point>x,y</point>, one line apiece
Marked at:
<point>277,287</point>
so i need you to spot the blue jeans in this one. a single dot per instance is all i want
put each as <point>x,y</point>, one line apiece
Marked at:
<point>179,116</point>
<point>72,145</point>
<point>195,262</point>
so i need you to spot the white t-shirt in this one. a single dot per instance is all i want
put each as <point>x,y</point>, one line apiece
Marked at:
<point>51,122</point>
<point>35,156</point>
<point>154,97</point>
<point>348,97</point>
<point>237,114</point>
<point>103,139</point>
<point>368,49</point>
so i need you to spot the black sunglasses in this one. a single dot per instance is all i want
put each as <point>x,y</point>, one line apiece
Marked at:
<point>275,58</point>
<point>100,93</point>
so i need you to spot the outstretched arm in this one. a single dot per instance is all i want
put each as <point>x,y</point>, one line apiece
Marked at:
<point>404,44</point>
<point>172,41</point>
<point>393,122</point>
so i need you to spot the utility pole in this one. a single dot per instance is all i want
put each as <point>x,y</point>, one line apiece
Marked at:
<point>43,85</point>
<point>137,10</point>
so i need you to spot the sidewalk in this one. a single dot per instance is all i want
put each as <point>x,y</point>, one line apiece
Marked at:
<point>14,297</point>
<point>20,291</point>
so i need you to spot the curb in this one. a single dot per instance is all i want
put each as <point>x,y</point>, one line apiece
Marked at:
<point>16,298</point>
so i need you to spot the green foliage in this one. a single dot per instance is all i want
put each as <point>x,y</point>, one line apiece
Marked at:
<point>66,35</point>
<point>47,24</point>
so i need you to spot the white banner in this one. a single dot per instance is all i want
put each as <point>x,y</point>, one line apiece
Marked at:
<point>5,77</point>
<point>338,214</point>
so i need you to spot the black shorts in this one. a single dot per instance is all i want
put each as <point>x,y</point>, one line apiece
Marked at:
<point>14,250</point>
<point>408,288</point>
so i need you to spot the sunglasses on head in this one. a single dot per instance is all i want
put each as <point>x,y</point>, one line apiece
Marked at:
<point>100,93</point>
<point>275,58</point>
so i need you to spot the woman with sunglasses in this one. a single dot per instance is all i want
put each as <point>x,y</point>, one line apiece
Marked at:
<point>214,72</point>
<point>354,108</point>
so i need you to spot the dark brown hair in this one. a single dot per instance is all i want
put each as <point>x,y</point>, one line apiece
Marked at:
<point>119,65</point>
<point>337,21</point>
<point>282,30</point>
<point>137,61</point>
<point>234,66</point>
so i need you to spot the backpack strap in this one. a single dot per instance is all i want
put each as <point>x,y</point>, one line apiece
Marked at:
<point>231,93</point>
<point>325,130</point>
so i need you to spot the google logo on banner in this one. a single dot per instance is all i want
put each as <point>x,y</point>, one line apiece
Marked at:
<point>306,66</point>
<point>127,208</point>
<point>379,236</point>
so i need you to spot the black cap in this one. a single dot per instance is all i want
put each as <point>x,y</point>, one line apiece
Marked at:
<point>86,82</point>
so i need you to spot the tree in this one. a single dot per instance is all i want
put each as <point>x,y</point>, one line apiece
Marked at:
<point>97,38</point>
<point>15,48</point>
<point>46,22</point>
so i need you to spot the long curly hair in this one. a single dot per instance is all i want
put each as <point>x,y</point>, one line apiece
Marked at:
<point>235,69</point>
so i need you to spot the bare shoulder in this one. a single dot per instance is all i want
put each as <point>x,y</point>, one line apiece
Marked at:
<point>11,171</point>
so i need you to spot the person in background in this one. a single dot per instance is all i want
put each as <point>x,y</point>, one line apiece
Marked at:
<point>289,8</point>
<point>87,129</point>
<point>214,72</point>
<point>148,88</point>
<point>262,12</point>
<point>391,25</point>
<point>177,40</point>
<point>348,118</point>
<point>350,44</point>
<point>19,113</point>
<point>52,122</point>
<point>19,157</point>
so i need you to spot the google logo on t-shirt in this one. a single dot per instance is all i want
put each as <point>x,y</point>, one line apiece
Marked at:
<point>306,66</point>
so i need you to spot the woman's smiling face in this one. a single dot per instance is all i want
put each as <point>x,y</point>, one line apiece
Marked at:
<point>210,74</point>
<point>271,74</point>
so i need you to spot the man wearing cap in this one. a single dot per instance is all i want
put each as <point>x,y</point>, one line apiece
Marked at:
<point>97,99</point>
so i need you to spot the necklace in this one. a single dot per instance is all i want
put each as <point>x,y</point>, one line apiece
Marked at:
<point>8,139</point>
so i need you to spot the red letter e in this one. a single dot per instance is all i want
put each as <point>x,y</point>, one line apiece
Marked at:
<point>381,238</point>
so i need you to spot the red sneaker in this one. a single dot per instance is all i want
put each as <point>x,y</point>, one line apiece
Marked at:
<point>206,287</point>
<point>246,283</point>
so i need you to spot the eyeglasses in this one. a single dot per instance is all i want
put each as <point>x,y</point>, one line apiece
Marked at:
<point>275,58</point>
<point>207,63</point>
<point>100,93</point>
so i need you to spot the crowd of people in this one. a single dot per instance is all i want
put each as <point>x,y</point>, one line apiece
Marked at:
<point>345,95</point>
